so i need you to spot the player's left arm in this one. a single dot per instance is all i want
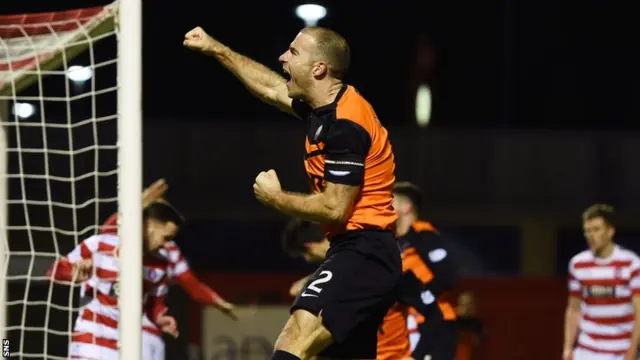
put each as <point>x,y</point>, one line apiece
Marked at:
<point>198,291</point>
<point>346,147</point>
<point>634,285</point>
<point>203,294</point>
<point>156,309</point>
<point>154,192</point>
<point>635,339</point>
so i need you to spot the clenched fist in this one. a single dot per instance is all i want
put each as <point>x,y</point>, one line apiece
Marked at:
<point>266,186</point>
<point>197,39</point>
<point>168,324</point>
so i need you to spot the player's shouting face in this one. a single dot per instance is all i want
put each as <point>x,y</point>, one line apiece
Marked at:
<point>302,65</point>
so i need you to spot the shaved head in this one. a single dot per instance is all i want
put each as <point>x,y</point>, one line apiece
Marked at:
<point>332,48</point>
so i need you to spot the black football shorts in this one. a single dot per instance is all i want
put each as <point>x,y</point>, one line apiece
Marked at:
<point>353,289</point>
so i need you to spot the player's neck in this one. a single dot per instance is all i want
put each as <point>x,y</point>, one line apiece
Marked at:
<point>404,224</point>
<point>324,93</point>
<point>606,251</point>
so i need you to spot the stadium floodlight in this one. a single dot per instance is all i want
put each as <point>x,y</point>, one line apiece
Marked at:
<point>79,74</point>
<point>311,13</point>
<point>423,105</point>
<point>23,110</point>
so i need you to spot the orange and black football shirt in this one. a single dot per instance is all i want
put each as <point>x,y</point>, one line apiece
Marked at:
<point>428,281</point>
<point>347,144</point>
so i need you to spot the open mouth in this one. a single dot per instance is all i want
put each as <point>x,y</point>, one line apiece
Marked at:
<point>286,75</point>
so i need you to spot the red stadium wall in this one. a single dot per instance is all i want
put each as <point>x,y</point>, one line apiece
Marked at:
<point>523,317</point>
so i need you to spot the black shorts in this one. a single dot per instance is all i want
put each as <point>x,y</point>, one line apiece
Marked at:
<point>441,344</point>
<point>353,289</point>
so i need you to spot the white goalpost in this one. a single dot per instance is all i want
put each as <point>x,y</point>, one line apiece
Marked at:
<point>70,155</point>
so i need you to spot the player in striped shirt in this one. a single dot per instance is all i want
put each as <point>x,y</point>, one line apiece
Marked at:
<point>95,261</point>
<point>604,295</point>
<point>177,270</point>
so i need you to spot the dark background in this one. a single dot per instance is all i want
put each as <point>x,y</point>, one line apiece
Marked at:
<point>535,117</point>
<point>491,64</point>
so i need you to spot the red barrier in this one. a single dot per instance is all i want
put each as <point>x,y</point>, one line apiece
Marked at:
<point>523,317</point>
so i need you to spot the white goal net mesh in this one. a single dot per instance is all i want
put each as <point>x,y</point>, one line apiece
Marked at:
<point>58,164</point>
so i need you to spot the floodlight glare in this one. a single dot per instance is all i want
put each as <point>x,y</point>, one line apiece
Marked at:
<point>23,110</point>
<point>311,13</point>
<point>423,105</point>
<point>79,73</point>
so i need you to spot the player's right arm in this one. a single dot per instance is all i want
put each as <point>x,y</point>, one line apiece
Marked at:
<point>261,81</point>
<point>571,321</point>
<point>571,315</point>
<point>149,195</point>
<point>77,265</point>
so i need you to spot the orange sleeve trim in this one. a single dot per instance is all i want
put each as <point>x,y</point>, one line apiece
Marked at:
<point>418,316</point>
<point>423,226</point>
<point>411,261</point>
<point>448,312</point>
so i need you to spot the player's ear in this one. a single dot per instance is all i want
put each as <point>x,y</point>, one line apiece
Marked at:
<point>320,69</point>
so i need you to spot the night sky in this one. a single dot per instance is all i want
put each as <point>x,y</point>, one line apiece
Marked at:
<point>497,64</point>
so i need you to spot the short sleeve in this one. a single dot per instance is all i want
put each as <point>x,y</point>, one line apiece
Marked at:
<point>575,289</point>
<point>346,147</point>
<point>177,263</point>
<point>301,108</point>
<point>634,278</point>
<point>84,250</point>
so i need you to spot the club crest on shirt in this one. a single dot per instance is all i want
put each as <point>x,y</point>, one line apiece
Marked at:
<point>152,274</point>
<point>618,272</point>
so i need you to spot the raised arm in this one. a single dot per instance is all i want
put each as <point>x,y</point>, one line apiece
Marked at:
<point>153,193</point>
<point>261,81</point>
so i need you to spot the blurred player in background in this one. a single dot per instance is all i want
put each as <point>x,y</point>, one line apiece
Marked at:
<point>95,261</point>
<point>430,269</point>
<point>350,165</point>
<point>470,327</point>
<point>604,294</point>
<point>177,270</point>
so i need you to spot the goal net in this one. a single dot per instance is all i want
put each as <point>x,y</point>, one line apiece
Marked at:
<point>58,164</point>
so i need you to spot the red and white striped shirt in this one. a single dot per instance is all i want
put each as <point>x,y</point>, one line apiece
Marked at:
<point>170,261</point>
<point>97,322</point>
<point>606,287</point>
<point>176,263</point>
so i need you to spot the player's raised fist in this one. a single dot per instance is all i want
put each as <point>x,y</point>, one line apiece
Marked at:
<point>197,39</point>
<point>266,186</point>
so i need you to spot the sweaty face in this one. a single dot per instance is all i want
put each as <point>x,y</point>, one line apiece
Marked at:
<point>598,234</point>
<point>297,64</point>
<point>159,233</point>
